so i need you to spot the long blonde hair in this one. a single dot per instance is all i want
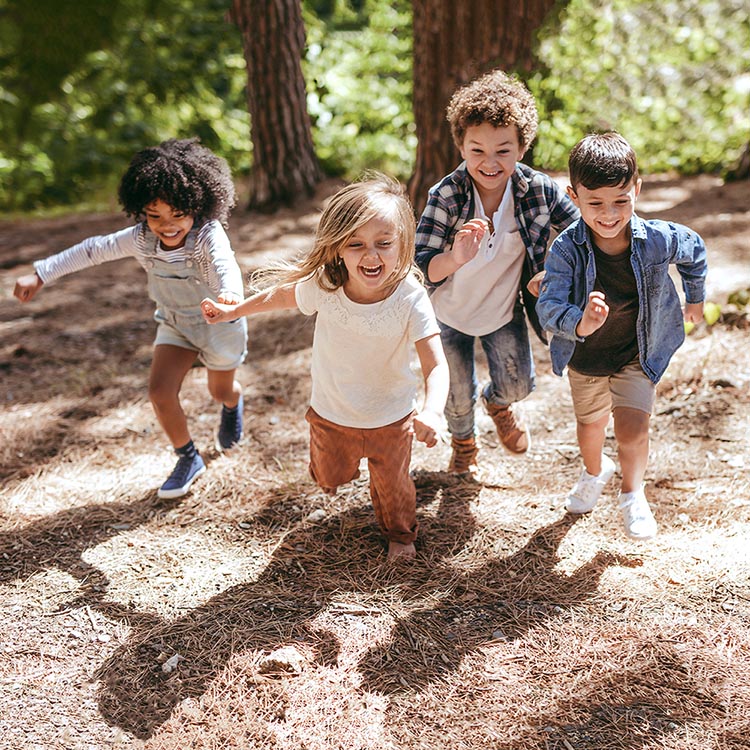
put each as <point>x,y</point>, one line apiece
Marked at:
<point>375,195</point>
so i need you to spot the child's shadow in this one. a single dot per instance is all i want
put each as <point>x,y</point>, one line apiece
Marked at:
<point>313,564</point>
<point>59,541</point>
<point>498,602</point>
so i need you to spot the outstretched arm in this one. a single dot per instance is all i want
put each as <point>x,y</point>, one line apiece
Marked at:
<point>276,299</point>
<point>27,286</point>
<point>435,373</point>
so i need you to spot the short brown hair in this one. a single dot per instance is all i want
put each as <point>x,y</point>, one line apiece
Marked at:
<point>498,99</point>
<point>602,160</point>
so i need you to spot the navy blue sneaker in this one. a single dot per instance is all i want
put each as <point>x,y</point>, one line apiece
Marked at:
<point>230,429</point>
<point>186,470</point>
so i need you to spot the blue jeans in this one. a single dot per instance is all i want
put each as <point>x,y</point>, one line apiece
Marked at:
<point>510,363</point>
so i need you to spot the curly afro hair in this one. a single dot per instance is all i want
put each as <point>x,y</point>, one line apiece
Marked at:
<point>496,98</point>
<point>182,173</point>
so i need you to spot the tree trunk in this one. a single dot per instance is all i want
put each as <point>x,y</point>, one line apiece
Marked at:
<point>741,170</point>
<point>453,43</point>
<point>285,167</point>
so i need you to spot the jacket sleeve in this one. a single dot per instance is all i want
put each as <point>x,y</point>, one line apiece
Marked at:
<point>689,255</point>
<point>90,252</point>
<point>557,314</point>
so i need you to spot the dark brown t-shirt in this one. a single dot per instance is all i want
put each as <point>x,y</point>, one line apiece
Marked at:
<point>609,349</point>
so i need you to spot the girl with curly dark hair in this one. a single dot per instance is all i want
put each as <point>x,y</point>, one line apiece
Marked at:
<point>180,194</point>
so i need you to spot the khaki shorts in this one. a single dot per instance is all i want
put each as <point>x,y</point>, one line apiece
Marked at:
<point>596,397</point>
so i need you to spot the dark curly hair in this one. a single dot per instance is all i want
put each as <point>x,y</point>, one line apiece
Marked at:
<point>498,99</point>
<point>182,173</point>
<point>602,160</point>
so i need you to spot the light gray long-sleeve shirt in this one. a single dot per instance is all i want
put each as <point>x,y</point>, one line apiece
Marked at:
<point>212,254</point>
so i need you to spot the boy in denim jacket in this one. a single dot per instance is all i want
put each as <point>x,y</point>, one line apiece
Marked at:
<point>615,317</point>
<point>481,238</point>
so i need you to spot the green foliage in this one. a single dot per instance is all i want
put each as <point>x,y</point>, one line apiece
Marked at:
<point>673,77</point>
<point>358,72</point>
<point>84,85</point>
<point>172,69</point>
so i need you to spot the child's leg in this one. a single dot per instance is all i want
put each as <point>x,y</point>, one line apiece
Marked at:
<point>168,369</point>
<point>228,392</point>
<point>394,497</point>
<point>335,452</point>
<point>510,361</point>
<point>591,437</point>
<point>631,432</point>
<point>224,388</point>
<point>591,404</point>
<point>511,367</point>
<point>462,394</point>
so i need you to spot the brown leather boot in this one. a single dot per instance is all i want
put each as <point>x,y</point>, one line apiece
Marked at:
<point>512,432</point>
<point>464,456</point>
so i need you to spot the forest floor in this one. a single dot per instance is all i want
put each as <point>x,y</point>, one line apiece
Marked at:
<point>258,613</point>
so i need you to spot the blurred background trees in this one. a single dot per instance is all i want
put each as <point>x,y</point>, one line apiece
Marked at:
<point>84,85</point>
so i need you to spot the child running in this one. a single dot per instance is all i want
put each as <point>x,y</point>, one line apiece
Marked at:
<point>480,242</point>
<point>180,194</point>
<point>370,308</point>
<point>615,316</point>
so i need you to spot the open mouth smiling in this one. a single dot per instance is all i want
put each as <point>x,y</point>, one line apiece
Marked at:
<point>371,271</point>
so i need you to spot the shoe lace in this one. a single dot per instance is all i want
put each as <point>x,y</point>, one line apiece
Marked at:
<point>505,421</point>
<point>229,420</point>
<point>182,469</point>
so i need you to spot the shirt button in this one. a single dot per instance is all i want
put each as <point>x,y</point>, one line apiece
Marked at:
<point>189,263</point>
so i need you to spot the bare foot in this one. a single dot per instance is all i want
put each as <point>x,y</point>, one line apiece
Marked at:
<point>398,551</point>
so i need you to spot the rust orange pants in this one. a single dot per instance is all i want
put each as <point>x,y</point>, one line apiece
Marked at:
<point>335,453</point>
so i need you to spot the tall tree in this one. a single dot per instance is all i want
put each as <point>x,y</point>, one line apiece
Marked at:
<point>284,163</point>
<point>453,43</point>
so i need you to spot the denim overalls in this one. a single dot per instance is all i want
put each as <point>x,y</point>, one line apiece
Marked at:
<point>178,289</point>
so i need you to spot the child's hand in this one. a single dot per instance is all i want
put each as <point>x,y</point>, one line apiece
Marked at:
<point>535,283</point>
<point>467,241</point>
<point>27,286</point>
<point>229,298</point>
<point>594,315</point>
<point>693,312</point>
<point>426,426</point>
<point>216,312</point>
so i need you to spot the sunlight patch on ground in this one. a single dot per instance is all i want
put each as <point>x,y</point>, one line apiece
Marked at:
<point>72,484</point>
<point>168,570</point>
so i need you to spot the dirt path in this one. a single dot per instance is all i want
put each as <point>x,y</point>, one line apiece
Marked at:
<point>517,627</point>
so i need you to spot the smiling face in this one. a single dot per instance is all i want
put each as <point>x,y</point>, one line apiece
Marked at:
<point>607,212</point>
<point>371,255</point>
<point>491,154</point>
<point>169,225</point>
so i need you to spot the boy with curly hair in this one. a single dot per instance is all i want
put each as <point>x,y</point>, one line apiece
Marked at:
<point>481,243</point>
<point>180,194</point>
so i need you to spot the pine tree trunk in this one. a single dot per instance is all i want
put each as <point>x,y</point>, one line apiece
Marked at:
<point>453,43</point>
<point>285,167</point>
<point>741,170</point>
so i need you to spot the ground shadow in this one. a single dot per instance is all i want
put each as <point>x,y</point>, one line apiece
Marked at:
<point>500,601</point>
<point>314,562</point>
<point>59,541</point>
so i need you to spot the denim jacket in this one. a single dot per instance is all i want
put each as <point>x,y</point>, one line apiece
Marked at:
<point>540,206</point>
<point>571,271</point>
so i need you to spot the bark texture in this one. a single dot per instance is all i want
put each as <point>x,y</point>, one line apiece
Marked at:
<point>453,43</point>
<point>285,167</point>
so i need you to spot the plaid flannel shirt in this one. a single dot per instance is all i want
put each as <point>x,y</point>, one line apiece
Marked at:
<point>541,205</point>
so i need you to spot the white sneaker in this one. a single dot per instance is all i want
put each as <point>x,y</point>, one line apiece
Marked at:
<point>637,517</point>
<point>584,496</point>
